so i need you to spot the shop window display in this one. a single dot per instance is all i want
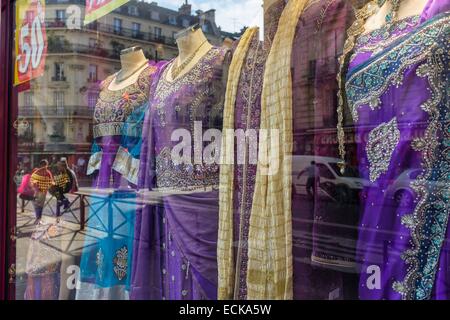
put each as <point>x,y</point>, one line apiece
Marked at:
<point>299,151</point>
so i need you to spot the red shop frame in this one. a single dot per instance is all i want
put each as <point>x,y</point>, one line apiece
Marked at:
<point>8,112</point>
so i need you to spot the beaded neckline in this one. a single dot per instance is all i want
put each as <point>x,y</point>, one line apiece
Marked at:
<point>383,31</point>
<point>198,63</point>
<point>108,95</point>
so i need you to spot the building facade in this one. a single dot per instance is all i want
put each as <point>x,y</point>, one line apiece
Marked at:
<point>55,113</point>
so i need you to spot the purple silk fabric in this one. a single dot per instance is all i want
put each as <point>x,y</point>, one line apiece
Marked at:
<point>190,252</point>
<point>106,177</point>
<point>382,236</point>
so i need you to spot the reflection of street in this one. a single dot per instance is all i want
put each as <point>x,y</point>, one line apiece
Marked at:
<point>70,242</point>
<point>335,235</point>
<point>303,221</point>
<point>70,239</point>
<point>311,281</point>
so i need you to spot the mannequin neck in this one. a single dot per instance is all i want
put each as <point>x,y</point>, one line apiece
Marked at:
<point>131,62</point>
<point>189,43</point>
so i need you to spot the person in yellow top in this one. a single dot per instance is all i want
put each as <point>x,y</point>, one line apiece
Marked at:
<point>65,182</point>
<point>41,180</point>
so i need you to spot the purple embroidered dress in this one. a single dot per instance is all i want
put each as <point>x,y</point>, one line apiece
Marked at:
<point>110,157</point>
<point>397,92</point>
<point>176,242</point>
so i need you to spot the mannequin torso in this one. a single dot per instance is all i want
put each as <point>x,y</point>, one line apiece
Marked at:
<point>133,61</point>
<point>193,43</point>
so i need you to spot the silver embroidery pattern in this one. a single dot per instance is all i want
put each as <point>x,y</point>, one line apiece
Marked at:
<point>202,70</point>
<point>121,263</point>
<point>367,85</point>
<point>99,261</point>
<point>428,222</point>
<point>381,145</point>
<point>114,107</point>
<point>184,176</point>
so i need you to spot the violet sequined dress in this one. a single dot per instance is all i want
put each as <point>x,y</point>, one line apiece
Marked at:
<point>397,91</point>
<point>176,242</point>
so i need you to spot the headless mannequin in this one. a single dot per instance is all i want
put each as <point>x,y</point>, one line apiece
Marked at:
<point>133,62</point>
<point>187,45</point>
<point>407,8</point>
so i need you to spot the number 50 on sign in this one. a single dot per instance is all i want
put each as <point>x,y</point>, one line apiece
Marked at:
<point>30,40</point>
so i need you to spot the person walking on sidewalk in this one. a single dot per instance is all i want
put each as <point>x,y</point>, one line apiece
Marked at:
<point>41,180</point>
<point>65,182</point>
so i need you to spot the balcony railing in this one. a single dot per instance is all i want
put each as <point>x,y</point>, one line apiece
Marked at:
<point>123,32</point>
<point>51,111</point>
<point>59,78</point>
<point>65,47</point>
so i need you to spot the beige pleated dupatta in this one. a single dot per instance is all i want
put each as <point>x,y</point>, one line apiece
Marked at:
<point>226,268</point>
<point>269,274</point>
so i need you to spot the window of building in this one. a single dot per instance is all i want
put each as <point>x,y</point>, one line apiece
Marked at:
<point>132,10</point>
<point>158,32</point>
<point>173,20</point>
<point>92,99</point>
<point>136,29</point>
<point>58,101</point>
<point>185,23</point>
<point>93,72</point>
<point>29,99</point>
<point>117,25</point>
<point>59,72</point>
<point>154,15</point>
<point>92,43</point>
<point>61,15</point>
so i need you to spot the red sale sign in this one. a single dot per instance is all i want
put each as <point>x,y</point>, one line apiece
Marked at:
<point>31,39</point>
<point>98,8</point>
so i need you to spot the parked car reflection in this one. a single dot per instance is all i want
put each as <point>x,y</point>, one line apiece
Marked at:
<point>331,183</point>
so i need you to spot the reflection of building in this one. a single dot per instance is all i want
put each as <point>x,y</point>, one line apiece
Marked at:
<point>58,106</point>
<point>315,57</point>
